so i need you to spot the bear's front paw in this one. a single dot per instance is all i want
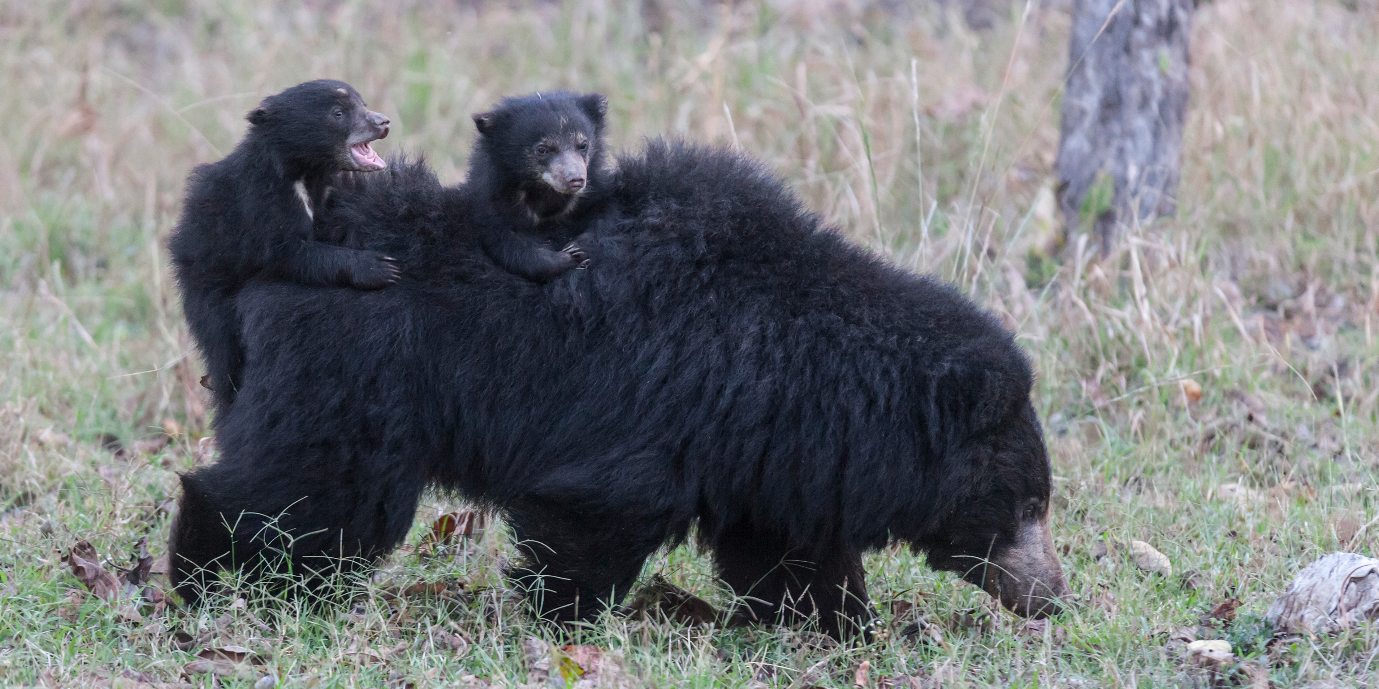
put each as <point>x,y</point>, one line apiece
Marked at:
<point>377,271</point>
<point>580,257</point>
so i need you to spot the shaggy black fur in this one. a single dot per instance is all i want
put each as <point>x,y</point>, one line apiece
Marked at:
<point>250,215</point>
<point>728,364</point>
<point>537,171</point>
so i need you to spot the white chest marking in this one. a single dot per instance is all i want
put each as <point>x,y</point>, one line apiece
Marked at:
<point>306,200</point>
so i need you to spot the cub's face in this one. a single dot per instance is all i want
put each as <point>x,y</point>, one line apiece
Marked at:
<point>546,141</point>
<point>322,123</point>
<point>561,160</point>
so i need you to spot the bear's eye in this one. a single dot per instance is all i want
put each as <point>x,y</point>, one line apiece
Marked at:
<point>1032,510</point>
<point>583,145</point>
<point>542,150</point>
<point>338,113</point>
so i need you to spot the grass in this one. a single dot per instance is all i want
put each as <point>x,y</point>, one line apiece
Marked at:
<point>926,141</point>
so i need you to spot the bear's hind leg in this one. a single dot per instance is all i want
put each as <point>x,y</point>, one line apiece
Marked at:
<point>575,568</point>
<point>779,586</point>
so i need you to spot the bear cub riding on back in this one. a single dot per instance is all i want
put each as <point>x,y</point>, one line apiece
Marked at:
<point>537,175</point>
<point>251,214</point>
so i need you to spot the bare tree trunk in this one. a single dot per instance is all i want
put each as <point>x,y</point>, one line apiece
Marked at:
<point>1123,111</point>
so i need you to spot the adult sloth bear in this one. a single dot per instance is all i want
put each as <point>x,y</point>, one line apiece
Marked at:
<point>728,364</point>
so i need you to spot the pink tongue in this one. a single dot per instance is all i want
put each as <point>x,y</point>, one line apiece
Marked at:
<point>364,154</point>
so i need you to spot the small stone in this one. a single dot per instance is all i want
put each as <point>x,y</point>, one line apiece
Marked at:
<point>1149,559</point>
<point>266,682</point>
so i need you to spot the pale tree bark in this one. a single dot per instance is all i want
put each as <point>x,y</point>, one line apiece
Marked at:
<point>1123,113</point>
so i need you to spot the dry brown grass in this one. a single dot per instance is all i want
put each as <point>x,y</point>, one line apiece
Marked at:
<point>929,142</point>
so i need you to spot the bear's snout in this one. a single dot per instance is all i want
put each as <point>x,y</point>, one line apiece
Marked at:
<point>1028,578</point>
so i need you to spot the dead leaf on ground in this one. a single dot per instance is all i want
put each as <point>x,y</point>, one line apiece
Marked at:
<point>1223,614</point>
<point>663,600</point>
<point>442,639</point>
<point>143,564</point>
<point>1191,390</point>
<point>919,628</point>
<point>859,677</point>
<point>1104,600</point>
<point>129,679</point>
<point>225,661</point>
<point>978,620</point>
<point>84,563</point>
<point>463,524</point>
<point>898,682</point>
<point>1191,580</point>
<point>466,524</point>
<point>424,589</point>
<point>946,674</point>
<point>361,653</point>
<point>1256,675</point>
<point>183,641</point>
<point>575,667</point>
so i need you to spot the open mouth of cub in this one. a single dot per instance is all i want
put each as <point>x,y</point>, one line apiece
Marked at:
<point>365,157</point>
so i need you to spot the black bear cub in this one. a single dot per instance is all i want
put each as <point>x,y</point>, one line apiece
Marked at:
<point>250,215</point>
<point>537,170</point>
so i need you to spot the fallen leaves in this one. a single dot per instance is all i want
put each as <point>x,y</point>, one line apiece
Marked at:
<point>662,600</point>
<point>1191,390</point>
<point>226,661</point>
<point>575,667</point>
<point>1223,614</point>
<point>465,524</point>
<point>128,679</point>
<point>127,594</point>
<point>84,562</point>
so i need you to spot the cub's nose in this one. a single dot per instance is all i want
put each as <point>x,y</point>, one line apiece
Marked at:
<point>381,121</point>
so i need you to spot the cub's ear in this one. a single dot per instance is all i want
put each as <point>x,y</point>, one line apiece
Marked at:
<point>595,106</point>
<point>486,122</point>
<point>257,116</point>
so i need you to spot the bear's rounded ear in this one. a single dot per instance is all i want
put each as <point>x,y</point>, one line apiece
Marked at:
<point>984,388</point>
<point>485,122</point>
<point>257,116</point>
<point>595,106</point>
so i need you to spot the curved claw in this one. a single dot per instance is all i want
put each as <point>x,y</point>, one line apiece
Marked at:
<point>394,272</point>
<point>578,254</point>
